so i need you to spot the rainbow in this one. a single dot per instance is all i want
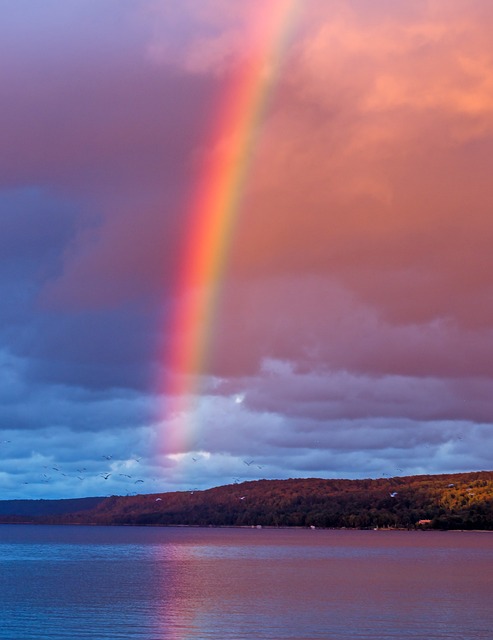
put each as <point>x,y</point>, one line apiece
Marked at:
<point>213,214</point>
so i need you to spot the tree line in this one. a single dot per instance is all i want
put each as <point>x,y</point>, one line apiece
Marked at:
<point>448,501</point>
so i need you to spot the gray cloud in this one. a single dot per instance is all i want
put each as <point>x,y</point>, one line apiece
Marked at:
<point>352,332</point>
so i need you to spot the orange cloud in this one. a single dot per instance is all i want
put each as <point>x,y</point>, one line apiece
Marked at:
<point>373,163</point>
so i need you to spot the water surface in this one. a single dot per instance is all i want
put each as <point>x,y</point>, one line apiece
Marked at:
<point>110,583</point>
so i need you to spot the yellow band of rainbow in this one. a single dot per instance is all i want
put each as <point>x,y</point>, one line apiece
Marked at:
<point>214,211</point>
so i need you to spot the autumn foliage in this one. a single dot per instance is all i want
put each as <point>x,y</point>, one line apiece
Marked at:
<point>451,501</point>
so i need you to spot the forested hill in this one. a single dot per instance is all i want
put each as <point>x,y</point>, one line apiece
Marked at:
<point>452,501</point>
<point>46,507</point>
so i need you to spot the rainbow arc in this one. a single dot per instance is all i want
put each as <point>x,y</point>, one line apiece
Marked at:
<point>214,211</point>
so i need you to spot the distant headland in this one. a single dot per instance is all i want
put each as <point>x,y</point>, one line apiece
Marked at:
<point>447,501</point>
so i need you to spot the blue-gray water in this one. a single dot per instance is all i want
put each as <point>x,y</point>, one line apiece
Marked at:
<point>110,583</point>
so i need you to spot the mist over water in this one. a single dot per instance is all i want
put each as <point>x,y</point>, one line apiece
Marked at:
<point>103,583</point>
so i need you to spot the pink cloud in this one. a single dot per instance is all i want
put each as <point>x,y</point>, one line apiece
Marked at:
<point>317,324</point>
<point>373,165</point>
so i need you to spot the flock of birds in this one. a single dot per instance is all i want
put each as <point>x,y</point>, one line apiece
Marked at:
<point>51,473</point>
<point>82,473</point>
<point>119,472</point>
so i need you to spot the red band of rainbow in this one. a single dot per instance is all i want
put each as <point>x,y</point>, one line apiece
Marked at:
<point>213,213</point>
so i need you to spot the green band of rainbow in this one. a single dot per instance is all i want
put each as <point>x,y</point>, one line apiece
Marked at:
<point>214,211</point>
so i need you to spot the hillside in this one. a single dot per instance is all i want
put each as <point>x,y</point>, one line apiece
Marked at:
<point>450,501</point>
<point>41,508</point>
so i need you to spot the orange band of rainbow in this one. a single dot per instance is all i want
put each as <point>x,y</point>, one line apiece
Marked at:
<point>213,213</point>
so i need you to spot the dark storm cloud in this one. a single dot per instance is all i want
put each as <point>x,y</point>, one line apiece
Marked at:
<point>353,330</point>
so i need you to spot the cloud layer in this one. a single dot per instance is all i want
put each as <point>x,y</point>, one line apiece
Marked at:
<point>353,336</point>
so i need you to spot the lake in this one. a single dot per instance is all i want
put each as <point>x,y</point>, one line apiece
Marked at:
<point>110,583</point>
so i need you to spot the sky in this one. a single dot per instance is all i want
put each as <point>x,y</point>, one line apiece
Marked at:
<point>334,321</point>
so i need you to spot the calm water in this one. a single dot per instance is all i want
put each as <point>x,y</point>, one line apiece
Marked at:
<point>110,583</point>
